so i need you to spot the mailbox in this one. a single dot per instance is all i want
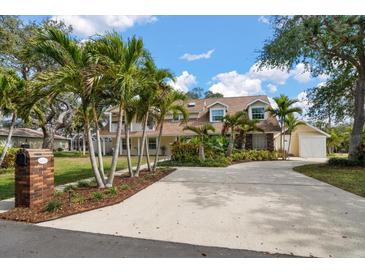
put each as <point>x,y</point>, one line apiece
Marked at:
<point>34,177</point>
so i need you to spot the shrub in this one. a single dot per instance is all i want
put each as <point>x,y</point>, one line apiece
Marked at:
<point>53,205</point>
<point>83,184</point>
<point>97,195</point>
<point>9,160</point>
<point>77,198</point>
<point>57,193</point>
<point>112,191</point>
<point>184,152</point>
<point>345,162</point>
<point>125,187</point>
<point>255,155</point>
<point>69,188</point>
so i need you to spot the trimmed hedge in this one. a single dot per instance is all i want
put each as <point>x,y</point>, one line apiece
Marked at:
<point>343,162</point>
<point>255,155</point>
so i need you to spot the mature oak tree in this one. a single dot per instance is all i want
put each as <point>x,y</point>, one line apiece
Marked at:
<point>327,45</point>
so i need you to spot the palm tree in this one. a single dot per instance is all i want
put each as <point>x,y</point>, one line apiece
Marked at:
<point>203,134</point>
<point>285,106</point>
<point>11,89</point>
<point>121,62</point>
<point>230,124</point>
<point>168,103</point>
<point>291,124</point>
<point>247,125</point>
<point>77,73</point>
<point>334,141</point>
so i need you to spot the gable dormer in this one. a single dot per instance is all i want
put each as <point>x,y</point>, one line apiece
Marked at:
<point>257,110</point>
<point>217,111</point>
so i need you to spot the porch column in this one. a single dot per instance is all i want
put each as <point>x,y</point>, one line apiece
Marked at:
<point>103,145</point>
<point>270,141</point>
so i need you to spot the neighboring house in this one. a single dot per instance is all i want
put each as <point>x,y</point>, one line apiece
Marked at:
<point>32,137</point>
<point>201,111</point>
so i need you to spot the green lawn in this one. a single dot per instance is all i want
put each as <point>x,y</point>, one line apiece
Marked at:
<point>351,179</point>
<point>67,169</point>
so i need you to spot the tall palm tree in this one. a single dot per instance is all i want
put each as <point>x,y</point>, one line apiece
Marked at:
<point>230,124</point>
<point>11,89</point>
<point>291,123</point>
<point>121,62</point>
<point>203,134</point>
<point>77,72</point>
<point>168,103</point>
<point>245,126</point>
<point>285,106</point>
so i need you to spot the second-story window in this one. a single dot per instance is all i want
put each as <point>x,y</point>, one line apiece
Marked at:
<point>216,115</point>
<point>258,113</point>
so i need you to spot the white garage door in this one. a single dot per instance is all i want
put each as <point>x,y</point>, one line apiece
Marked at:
<point>312,146</point>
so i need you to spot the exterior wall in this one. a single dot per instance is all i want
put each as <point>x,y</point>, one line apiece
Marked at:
<point>35,143</point>
<point>294,144</point>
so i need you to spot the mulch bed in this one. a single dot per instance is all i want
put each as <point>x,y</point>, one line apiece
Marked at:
<point>83,199</point>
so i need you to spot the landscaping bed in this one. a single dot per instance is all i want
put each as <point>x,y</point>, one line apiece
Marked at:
<point>349,178</point>
<point>86,197</point>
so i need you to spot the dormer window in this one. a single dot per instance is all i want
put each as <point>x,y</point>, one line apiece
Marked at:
<point>191,104</point>
<point>217,114</point>
<point>258,113</point>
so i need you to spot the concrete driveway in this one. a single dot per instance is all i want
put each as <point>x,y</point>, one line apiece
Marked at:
<point>262,206</point>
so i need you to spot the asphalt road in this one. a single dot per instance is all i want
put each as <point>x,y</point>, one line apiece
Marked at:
<point>26,240</point>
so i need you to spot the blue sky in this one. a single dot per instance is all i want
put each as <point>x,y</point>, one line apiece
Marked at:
<point>213,52</point>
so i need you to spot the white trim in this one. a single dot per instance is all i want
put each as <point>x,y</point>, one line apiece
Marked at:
<point>309,125</point>
<point>217,102</point>
<point>255,107</point>
<point>257,100</point>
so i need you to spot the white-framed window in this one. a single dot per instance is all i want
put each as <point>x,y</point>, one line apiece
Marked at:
<point>216,114</point>
<point>124,144</point>
<point>152,143</point>
<point>258,113</point>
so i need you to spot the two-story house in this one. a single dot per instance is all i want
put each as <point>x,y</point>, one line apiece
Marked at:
<point>210,110</point>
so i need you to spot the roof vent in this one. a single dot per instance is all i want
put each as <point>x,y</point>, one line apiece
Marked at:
<point>191,104</point>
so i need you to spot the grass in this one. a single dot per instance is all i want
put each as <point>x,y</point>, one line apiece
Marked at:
<point>351,179</point>
<point>67,169</point>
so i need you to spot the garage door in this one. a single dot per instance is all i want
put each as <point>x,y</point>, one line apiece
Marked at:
<point>312,146</point>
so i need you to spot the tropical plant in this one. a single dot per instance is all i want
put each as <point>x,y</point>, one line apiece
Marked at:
<point>122,63</point>
<point>230,122</point>
<point>169,102</point>
<point>291,123</point>
<point>11,91</point>
<point>334,141</point>
<point>202,133</point>
<point>285,106</point>
<point>245,126</point>
<point>78,70</point>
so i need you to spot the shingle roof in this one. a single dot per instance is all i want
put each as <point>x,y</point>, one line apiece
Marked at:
<point>234,104</point>
<point>27,133</point>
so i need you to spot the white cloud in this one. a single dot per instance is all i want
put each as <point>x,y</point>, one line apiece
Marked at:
<point>264,20</point>
<point>301,73</point>
<point>275,75</point>
<point>272,88</point>
<point>303,103</point>
<point>193,57</point>
<point>184,81</point>
<point>234,84</point>
<point>87,25</point>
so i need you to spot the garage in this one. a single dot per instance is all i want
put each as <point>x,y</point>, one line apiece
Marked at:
<point>312,146</point>
<point>306,141</point>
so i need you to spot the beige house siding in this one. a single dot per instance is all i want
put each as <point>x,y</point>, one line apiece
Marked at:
<point>35,143</point>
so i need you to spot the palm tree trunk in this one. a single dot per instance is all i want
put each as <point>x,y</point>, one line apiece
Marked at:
<point>98,143</point>
<point>147,155</point>
<point>141,146</point>
<point>8,140</point>
<point>158,147</point>
<point>281,140</point>
<point>116,149</point>
<point>127,140</point>
<point>95,169</point>
<point>289,143</point>
<point>231,144</point>
<point>84,137</point>
<point>201,152</point>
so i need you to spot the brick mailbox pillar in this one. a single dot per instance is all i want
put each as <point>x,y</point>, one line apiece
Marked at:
<point>34,177</point>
